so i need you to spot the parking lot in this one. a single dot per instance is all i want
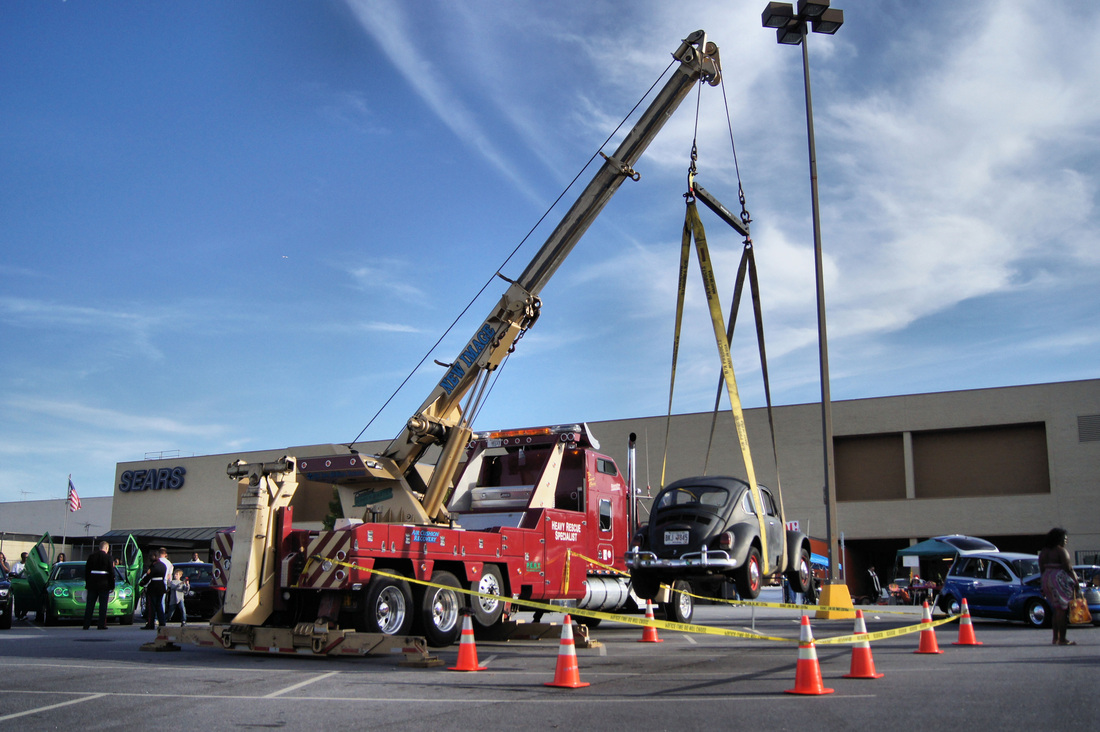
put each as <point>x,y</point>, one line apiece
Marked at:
<point>65,676</point>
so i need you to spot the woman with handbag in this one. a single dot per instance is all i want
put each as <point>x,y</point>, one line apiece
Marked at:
<point>1059,582</point>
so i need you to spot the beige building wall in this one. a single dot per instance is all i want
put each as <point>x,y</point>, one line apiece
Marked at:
<point>878,432</point>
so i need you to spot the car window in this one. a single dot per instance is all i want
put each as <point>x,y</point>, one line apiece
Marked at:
<point>68,573</point>
<point>1025,567</point>
<point>197,573</point>
<point>999,572</point>
<point>746,504</point>
<point>769,503</point>
<point>973,567</point>
<point>700,495</point>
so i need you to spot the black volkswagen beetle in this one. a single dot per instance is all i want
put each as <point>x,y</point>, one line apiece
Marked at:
<point>708,530</point>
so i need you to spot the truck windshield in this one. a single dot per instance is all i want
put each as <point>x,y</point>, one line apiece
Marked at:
<point>702,495</point>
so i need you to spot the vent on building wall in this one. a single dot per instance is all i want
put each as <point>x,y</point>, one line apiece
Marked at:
<point>1088,428</point>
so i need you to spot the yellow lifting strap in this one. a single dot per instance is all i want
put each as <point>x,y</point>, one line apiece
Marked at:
<point>693,229</point>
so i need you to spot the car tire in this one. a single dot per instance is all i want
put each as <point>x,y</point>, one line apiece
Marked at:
<point>681,607</point>
<point>1037,614</point>
<point>127,618</point>
<point>49,616</point>
<point>439,609</point>
<point>748,577</point>
<point>947,602</point>
<point>487,613</point>
<point>645,585</point>
<point>388,607</point>
<point>5,618</point>
<point>801,577</point>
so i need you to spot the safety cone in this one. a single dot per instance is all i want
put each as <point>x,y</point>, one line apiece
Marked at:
<point>467,650</point>
<point>649,634</point>
<point>966,629</point>
<point>863,666</point>
<point>807,676</point>
<point>928,642</point>
<point>567,675</point>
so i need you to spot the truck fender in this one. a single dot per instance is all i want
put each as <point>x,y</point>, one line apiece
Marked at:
<point>796,541</point>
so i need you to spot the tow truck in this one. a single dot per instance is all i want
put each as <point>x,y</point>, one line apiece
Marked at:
<point>531,514</point>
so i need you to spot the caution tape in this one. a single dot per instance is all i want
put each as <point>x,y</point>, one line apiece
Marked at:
<point>644,622</point>
<point>724,601</point>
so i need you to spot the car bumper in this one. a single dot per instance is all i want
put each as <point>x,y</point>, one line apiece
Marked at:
<point>705,560</point>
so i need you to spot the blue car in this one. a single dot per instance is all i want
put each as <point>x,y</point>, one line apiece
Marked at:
<point>1001,585</point>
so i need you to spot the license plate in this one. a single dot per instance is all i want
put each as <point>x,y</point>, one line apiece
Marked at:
<point>676,537</point>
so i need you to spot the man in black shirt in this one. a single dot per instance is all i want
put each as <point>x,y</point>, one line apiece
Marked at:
<point>99,581</point>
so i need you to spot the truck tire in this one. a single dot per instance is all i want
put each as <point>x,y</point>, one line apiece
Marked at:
<point>799,578</point>
<point>748,576</point>
<point>439,607</point>
<point>645,585</point>
<point>387,607</point>
<point>681,608</point>
<point>487,613</point>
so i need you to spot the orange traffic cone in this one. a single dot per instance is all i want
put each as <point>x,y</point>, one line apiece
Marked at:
<point>649,635</point>
<point>807,676</point>
<point>567,675</point>
<point>467,650</point>
<point>928,642</point>
<point>863,666</point>
<point>966,629</point>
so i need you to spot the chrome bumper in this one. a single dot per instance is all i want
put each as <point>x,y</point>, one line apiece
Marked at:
<point>706,559</point>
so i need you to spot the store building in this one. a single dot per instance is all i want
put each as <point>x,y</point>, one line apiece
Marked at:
<point>1006,464</point>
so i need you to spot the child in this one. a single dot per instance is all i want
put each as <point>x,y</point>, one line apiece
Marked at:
<point>178,587</point>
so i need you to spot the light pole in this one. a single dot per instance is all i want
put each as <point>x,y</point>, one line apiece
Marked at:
<point>791,30</point>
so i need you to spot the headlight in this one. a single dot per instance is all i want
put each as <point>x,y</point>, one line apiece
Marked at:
<point>3,593</point>
<point>61,592</point>
<point>125,592</point>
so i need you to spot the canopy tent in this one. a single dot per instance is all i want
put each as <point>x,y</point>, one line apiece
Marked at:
<point>929,548</point>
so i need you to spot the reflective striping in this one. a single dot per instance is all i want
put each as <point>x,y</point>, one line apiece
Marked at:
<point>321,572</point>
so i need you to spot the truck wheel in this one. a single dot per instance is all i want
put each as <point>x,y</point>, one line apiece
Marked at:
<point>645,586</point>
<point>799,579</point>
<point>439,610</point>
<point>387,608</point>
<point>748,577</point>
<point>681,608</point>
<point>486,613</point>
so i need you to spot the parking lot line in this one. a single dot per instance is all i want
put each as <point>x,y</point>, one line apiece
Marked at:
<point>39,710</point>
<point>300,684</point>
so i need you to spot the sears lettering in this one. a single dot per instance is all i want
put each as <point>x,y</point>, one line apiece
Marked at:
<point>153,479</point>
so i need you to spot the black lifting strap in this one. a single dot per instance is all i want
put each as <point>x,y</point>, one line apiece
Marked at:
<point>747,265</point>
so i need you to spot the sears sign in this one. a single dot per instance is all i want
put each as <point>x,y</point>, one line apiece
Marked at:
<point>153,479</point>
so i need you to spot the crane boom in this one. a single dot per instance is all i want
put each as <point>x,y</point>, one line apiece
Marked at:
<point>441,417</point>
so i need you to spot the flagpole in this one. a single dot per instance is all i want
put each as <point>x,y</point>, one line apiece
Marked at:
<point>65,525</point>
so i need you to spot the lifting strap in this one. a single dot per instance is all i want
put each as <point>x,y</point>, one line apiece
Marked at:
<point>693,229</point>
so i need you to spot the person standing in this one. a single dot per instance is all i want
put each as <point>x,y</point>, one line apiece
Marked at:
<point>1059,582</point>
<point>178,587</point>
<point>17,568</point>
<point>155,591</point>
<point>99,581</point>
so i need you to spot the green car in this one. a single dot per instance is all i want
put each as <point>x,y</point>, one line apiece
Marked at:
<point>57,592</point>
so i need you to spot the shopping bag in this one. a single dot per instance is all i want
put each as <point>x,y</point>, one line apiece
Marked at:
<point>1079,611</point>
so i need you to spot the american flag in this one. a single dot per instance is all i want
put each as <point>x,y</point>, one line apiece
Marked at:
<point>74,499</point>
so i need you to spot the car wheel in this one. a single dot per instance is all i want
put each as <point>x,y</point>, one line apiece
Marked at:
<point>1037,615</point>
<point>126,618</point>
<point>439,608</point>
<point>645,585</point>
<point>486,612</point>
<point>748,577</point>
<point>950,605</point>
<point>49,615</point>
<point>388,607</point>
<point>801,577</point>
<point>681,608</point>
<point>5,618</point>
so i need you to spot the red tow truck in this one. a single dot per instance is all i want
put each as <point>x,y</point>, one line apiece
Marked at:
<point>533,514</point>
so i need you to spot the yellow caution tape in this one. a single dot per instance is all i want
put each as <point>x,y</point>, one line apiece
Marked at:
<point>644,622</point>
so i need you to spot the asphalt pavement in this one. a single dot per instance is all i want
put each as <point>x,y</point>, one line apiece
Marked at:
<point>66,677</point>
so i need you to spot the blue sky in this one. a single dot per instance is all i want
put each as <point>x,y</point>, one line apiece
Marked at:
<point>236,226</point>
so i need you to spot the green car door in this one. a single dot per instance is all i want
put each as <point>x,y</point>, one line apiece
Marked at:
<point>132,561</point>
<point>29,590</point>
